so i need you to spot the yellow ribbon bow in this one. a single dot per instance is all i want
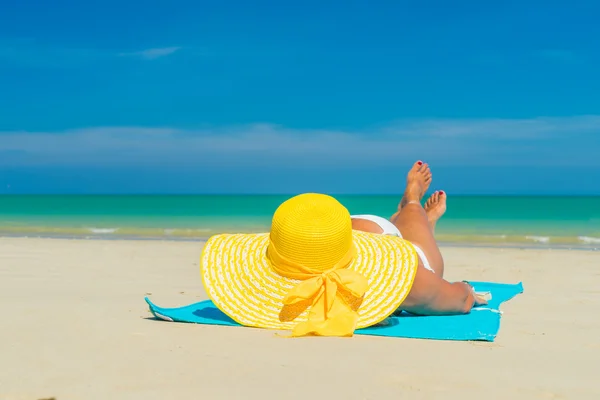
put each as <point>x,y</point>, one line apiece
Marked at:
<point>333,295</point>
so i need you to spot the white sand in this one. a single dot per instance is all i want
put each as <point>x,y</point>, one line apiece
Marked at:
<point>75,326</point>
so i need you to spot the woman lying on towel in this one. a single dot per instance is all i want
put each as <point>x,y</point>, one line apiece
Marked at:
<point>430,293</point>
<point>321,271</point>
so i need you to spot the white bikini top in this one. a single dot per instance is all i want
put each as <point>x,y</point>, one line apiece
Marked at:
<point>387,227</point>
<point>390,229</point>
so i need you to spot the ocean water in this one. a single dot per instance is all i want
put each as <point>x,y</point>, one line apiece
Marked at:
<point>572,222</point>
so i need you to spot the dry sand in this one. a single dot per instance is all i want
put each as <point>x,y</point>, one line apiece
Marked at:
<point>75,326</point>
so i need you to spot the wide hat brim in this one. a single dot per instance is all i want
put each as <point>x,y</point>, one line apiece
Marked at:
<point>239,280</point>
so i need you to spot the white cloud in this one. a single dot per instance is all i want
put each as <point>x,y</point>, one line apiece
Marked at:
<point>152,54</point>
<point>540,127</point>
<point>28,52</point>
<point>527,142</point>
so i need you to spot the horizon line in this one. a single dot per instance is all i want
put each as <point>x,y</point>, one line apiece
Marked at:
<point>182,194</point>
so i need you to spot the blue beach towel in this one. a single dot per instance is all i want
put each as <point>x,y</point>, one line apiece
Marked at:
<point>482,323</point>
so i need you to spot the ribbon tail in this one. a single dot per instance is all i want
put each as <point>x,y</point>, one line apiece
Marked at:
<point>342,325</point>
<point>304,291</point>
<point>340,320</point>
<point>331,288</point>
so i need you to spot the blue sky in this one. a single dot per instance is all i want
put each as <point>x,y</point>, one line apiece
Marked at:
<point>275,97</point>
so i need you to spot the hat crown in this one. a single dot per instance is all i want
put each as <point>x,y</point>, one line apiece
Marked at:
<point>313,230</point>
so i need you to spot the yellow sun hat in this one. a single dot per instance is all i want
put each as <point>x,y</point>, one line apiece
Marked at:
<point>312,273</point>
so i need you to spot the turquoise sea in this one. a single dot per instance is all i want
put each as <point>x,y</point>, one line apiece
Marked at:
<point>572,222</point>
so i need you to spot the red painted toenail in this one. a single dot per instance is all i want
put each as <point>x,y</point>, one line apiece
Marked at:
<point>420,162</point>
<point>441,192</point>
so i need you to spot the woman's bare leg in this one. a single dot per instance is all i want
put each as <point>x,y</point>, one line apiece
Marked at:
<point>423,169</point>
<point>413,221</point>
<point>435,207</point>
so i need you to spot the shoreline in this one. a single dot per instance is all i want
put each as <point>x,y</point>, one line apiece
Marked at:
<point>441,243</point>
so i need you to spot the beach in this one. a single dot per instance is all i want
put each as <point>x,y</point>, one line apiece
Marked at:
<point>75,326</point>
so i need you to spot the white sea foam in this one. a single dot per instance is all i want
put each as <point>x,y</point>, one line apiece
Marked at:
<point>495,236</point>
<point>103,230</point>
<point>539,239</point>
<point>171,231</point>
<point>588,239</point>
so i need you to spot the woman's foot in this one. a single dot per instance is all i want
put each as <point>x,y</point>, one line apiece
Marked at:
<point>418,181</point>
<point>435,207</point>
